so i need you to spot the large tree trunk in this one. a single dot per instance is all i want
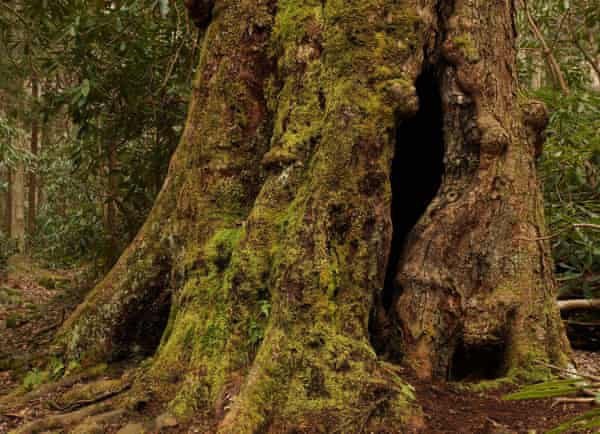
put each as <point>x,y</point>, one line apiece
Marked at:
<point>273,246</point>
<point>476,278</point>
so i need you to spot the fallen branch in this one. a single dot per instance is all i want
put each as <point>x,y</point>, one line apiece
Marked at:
<point>566,305</point>
<point>569,372</point>
<point>582,323</point>
<point>586,225</point>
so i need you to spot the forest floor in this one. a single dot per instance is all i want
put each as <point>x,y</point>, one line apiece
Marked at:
<point>34,302</point>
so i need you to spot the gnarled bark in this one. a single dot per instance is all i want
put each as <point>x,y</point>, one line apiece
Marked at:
<point>269,242</point>
<point>477,284</point>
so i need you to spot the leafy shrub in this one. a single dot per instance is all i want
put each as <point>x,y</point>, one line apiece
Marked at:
<point>12,321</point>
<point>127,113</point>
<point>34,378</point>
<point>570,169</point>
<point>56,368</point>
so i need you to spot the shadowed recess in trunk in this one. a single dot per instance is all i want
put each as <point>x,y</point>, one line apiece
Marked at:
<point>477,362</point>
<point>417,171</point>
<point>142,333</point>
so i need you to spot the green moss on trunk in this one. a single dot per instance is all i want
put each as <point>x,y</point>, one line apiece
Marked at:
<point>270,239</point>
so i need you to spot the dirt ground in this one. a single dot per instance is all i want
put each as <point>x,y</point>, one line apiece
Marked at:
<point>34,302</point>
<point>451,410</point>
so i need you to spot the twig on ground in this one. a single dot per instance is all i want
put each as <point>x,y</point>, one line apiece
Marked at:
<point>569,371</point>
<point>573,401</point>
<point>566,305</point>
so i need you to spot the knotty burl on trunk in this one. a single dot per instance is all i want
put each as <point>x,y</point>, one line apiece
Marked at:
<point>258,282</point>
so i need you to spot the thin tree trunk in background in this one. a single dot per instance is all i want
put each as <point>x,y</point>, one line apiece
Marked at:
<point>44,141</point>
<point>2,202</point>
<point>593,64</point>
<point>594,61</point>
<point>32,191</point>
<point>8,203</point>
<point>17,231</point>
<point>591,57</point>
<point>550,59</point>
<point>110,206</point>
<point>537,76</point>
<point>595,77</point>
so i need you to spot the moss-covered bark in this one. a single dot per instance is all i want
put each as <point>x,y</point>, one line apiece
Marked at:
<point>269,242</point>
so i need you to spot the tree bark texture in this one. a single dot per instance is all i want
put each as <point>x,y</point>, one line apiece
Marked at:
<point>260,274</point>
<point>473,272</point>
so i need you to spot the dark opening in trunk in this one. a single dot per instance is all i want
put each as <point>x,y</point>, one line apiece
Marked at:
<point>417,171</point>
<point>143,328</point>
<point>477,362</point>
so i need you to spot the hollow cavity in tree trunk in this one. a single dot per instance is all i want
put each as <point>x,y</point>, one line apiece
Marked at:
<point>146,323</point>
<point>417,171</point>
<point>477,362</point>
<point>416,176</point>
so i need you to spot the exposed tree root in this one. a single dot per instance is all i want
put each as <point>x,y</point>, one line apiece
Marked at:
<point>63,420</point>
<point>20,398</point>
<point>72,396</point>
<point>87,394</point>
<point>97,423</point>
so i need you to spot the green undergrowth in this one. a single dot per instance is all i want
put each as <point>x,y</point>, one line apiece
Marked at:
<point>549,389</point>
<point>557,388</point>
